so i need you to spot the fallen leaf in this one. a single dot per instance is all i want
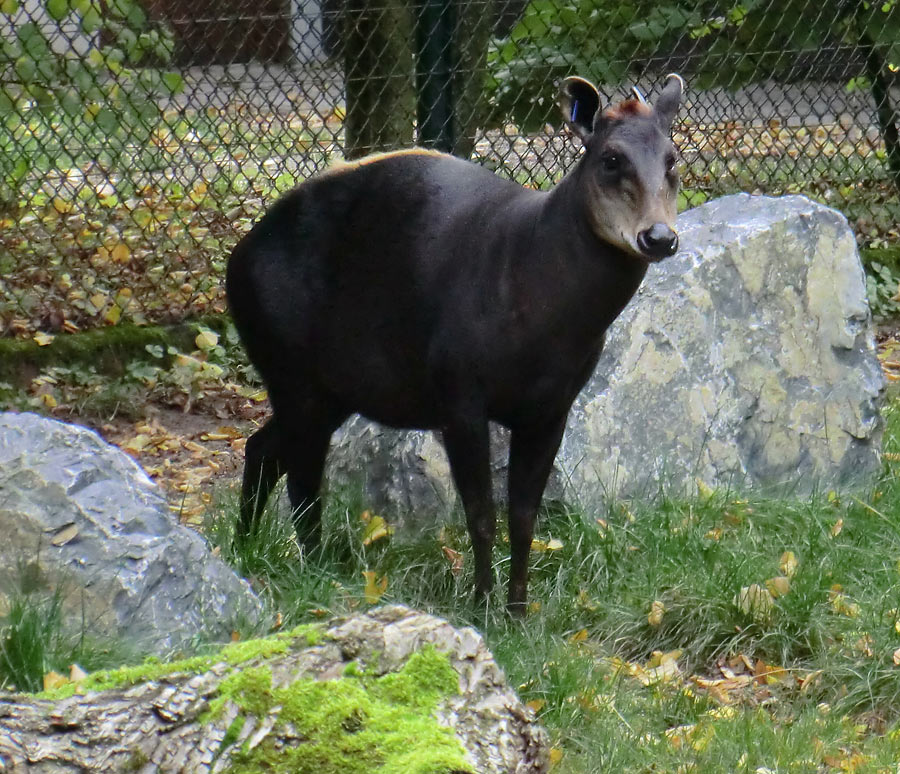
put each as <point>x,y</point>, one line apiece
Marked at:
<point>788,564</point>
<point>755,600</point>
<point>778,586</point>
<point>556,755</point>
<point>54,680</point>
<point>704,489</point>
<point>43,339</point>
<point>837,527</point>
<point>455,558</point>
<point>76,673</point>
<point>655,616</point>
<point>64,535</point>
<point>375,588</point>
<point>550,545</point>
<point>376,529</point>
<point>206,340</point>
<point>897,657</point>
<point>580,636</point>
<point>535,705</point>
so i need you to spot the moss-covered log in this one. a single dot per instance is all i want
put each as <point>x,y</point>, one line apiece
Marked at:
<point>389,691</point>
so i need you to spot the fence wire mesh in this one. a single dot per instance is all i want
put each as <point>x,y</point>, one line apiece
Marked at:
<point>139,140</point>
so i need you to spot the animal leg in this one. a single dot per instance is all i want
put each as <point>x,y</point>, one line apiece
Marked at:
<point>468,448</point>
<point>306,444</point>
<point>531,455</point>
<point>261,472</point>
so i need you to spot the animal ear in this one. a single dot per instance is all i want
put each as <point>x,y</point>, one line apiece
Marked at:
<point>579,101</point>
<point>669,99</point>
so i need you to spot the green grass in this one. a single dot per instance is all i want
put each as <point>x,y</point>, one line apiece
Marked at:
<point>585,655</point>
<point>39,634</point>
<point>833,702</point>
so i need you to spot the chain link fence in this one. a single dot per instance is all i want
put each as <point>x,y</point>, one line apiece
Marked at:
<point>139,140</point>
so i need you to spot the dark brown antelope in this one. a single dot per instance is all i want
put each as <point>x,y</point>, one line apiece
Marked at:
<point>422,291</point>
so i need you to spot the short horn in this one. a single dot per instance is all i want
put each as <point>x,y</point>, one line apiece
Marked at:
<point>676,75</point>
<point>638,95</point>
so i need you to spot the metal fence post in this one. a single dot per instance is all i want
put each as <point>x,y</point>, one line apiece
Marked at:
<point>435,63</point>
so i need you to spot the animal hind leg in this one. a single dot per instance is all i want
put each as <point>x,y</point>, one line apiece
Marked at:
<point>262,469</point>
<point>306,440</point>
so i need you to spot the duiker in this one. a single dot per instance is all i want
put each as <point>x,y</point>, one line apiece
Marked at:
<point>422,291</point>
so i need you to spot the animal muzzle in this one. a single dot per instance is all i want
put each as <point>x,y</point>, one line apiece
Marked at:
<point>657,242</point>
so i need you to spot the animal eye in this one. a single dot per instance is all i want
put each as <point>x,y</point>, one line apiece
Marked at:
<point>610,163</point>
<point>670,163</point>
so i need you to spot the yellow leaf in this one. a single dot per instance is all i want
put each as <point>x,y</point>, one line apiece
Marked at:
<point>837,527</point>
<point>657,610</point>
<point>137,444</point>
<point>48,400</point>
<point>659,658</point>
<point>235,636</point>
<point>897,657</point>
<point>579,636</point>
<point>703,489</point>
<point>76,673</point>
<point>206,340</point>
<point>61,205</point>
<point>550,545</point>
<point>778,586</point>
<point>99,300</point>
<point>455,558</point>
<point>43,339</point>
<point>788,564</point>
<point>755,600</point>
<point>113,314</point>
<point>535,705</point>
<point>376,529</point>
<point>375,588</point>
<point>556,755</point>
<point>54,680</point>
<point>64,535</point>
<point>121,253</point>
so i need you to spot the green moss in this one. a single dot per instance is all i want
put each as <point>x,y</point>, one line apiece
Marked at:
<point>356,724</point>
<point>107,348</point>
<point>250,689</point>
<point>233,732</point>
<point>233,654</point>
<point>136,761</point>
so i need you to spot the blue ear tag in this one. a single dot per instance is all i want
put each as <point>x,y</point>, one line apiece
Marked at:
<point>574,111</point>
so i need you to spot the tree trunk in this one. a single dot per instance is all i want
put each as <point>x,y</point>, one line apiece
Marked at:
<point>472,34</point>
<point>189,721</point>
<point>379,76</point>
<point>876,71</point>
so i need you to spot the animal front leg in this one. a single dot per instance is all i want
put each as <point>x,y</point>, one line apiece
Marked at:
<point>531,455</point>
<point>468,448</point>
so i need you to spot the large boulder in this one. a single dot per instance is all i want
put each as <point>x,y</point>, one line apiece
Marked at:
<point>746,360</point>
<point>80,516</point>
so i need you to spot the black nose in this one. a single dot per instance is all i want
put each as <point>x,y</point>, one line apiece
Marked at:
<point>658,241</point>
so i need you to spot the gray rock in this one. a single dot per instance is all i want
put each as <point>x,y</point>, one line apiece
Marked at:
<point>90,521</point>
<point>167,721</point>
<point>746,360</point>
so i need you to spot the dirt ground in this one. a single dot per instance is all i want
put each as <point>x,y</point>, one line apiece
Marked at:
<point>194,456</point>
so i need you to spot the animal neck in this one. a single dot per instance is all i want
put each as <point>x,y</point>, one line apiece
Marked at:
<point>586,274</point>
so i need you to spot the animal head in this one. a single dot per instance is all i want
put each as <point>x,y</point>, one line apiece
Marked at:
<point>629,167</point>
